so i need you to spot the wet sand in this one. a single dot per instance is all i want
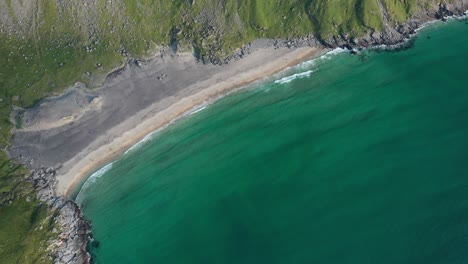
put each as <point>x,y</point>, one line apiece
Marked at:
<point>89,128</point>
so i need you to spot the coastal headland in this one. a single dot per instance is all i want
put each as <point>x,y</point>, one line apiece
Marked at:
<point>63,139</point>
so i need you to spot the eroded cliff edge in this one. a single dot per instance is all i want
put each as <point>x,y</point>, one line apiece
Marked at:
<point>71,245</point>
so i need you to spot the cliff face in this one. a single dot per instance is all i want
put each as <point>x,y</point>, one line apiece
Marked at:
<point>394,32</point>
<point>71,229</point>
<point>46,45</point>
<point>54,43</point>
<point>212,27</point>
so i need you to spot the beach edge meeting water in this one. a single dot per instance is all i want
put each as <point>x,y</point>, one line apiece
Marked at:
<point>362,155</point>
<point>146,110</point>
<point>24,145</point>
<point>183,84</point>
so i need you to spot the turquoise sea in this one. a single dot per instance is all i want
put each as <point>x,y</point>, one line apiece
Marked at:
<point>342,159</point>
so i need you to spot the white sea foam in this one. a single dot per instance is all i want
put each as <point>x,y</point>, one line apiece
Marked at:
<point>92,179</point>
<point>307,64</point>
<point>426,24</point>
<point>334,52</point>
<point>288,79</point>
<point>197,110</point>
<point>141,142</point>
<point>150,136</point>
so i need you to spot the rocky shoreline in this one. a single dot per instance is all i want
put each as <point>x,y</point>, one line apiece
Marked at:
<point>398,34</point>
<point>390,35</point>
<point>74,231</point>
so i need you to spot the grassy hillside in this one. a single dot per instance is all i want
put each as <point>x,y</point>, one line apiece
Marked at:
<point>24,222</point>
<point>46,45</point>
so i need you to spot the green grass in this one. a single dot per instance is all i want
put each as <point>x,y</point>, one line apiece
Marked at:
<point>64,43</point>
<point>53,55</point>
<point>24,222</point>
<point>352,17</point>
<point>11,180</point>
<point>24,230</point>
<point>400,10</point>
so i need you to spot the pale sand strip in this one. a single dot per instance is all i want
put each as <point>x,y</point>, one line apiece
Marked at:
<point>80,167</point>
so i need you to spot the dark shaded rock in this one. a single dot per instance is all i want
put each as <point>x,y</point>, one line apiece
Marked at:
<point>74,230</point>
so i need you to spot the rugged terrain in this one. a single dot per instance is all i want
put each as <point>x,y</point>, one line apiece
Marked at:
<point>48,45</point>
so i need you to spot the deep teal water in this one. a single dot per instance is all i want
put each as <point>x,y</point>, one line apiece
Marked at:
<point>365,160</point>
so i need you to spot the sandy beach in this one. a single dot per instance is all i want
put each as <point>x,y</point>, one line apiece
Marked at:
<point>82,130</point>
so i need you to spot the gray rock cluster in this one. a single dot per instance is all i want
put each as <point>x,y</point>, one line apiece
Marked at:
<point>308,41</point>
<point>74,231</point>
<point>391,35</point>
<point>70,246</point>
<point>43,181</point>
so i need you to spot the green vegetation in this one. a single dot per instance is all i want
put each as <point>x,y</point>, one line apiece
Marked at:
<point>25,224</point>
<point>400,11</point>
<point>64,43</point>
<point>24,230</point>
<point>47,45</point>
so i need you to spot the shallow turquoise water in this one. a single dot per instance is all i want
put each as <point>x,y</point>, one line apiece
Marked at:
<point>365,160</point>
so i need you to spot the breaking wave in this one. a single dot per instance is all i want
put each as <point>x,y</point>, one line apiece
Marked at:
<point>92,179</point>
<point>288,79</point>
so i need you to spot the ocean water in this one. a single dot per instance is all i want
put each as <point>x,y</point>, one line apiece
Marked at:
<point>343,159</point>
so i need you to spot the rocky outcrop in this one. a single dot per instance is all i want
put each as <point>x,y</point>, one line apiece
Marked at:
<point>391,35</point>
<point>394,33</point>
<point>74,231</point>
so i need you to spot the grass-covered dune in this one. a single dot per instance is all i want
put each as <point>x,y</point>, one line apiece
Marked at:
<point>47,45</point>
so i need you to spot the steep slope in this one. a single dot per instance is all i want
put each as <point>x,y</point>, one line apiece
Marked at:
<point>46,45</point>
<point>49,43</point>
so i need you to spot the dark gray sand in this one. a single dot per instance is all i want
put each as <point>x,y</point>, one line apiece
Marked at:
<point>83,129</point>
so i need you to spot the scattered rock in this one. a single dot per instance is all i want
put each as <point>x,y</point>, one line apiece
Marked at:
<point>138,63</point>
<point>70,246</point>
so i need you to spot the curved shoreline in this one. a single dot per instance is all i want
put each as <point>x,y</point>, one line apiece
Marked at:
<point>50,197</point>
<point>70,147</point>
<point>80,169</point>
<point>188,104</point>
